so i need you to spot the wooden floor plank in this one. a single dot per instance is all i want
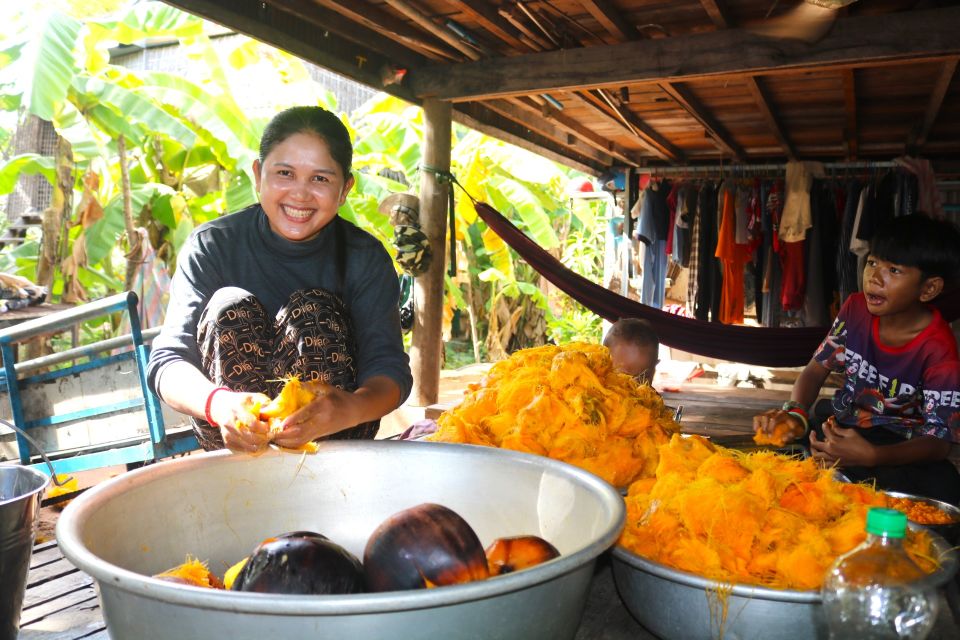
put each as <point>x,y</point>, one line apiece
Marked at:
<point>71,624</point>
<point>49,571</point>
<point>46,555</point>
<point>53,589</point>
<point>86,594</point>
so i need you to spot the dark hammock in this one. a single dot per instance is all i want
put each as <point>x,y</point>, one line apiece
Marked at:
<point>764,346</point>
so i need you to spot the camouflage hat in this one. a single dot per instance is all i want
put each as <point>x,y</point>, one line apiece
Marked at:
<point>413,249</point>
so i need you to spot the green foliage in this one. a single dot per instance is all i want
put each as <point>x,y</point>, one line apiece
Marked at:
<point>27,163</point>
<point>191,146</point>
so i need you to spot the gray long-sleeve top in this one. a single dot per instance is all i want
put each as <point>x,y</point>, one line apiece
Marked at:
<point>241,250</point>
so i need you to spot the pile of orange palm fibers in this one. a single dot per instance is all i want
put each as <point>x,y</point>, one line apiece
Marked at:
<point>749,518</point>
<point>567,403</point>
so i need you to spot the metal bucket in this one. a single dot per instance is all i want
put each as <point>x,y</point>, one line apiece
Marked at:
<point>20,491</point>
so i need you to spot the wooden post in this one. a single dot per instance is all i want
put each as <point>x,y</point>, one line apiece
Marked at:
<point>427,340</point>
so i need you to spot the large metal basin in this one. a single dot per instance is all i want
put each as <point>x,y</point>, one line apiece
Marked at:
<point>676,605</point>
<point>218,506</point>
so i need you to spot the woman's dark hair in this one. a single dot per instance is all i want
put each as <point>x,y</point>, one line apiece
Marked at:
<point>315,120</point>
<point>933,246</point>
<point>632,330</point>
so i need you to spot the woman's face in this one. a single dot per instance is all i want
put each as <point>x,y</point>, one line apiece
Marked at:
<point>301,186</point>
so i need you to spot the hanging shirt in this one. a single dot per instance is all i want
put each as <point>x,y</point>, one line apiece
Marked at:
<point>911,390</point>
<point>733,256</point>
<point>846,259</point>
<point>796,209</point>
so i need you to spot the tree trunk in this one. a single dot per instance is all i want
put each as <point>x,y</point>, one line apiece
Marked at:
<point>56,215</point>
<point>135,247</point>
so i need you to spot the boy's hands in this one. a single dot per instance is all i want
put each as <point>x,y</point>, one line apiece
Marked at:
<point>236,414</point>
<point>845,447</point>
<point>777,427</point>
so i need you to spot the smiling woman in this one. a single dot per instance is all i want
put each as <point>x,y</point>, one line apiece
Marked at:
<point>284,288</point>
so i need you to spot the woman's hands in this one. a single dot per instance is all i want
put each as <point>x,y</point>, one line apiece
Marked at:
<point>330,411</point>
<point>236,413</point>
<point>842,446</point>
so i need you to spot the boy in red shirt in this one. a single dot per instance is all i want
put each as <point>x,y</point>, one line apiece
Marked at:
<point>898,411</point>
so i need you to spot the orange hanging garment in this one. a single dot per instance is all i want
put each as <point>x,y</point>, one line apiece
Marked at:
<point>733,257</point>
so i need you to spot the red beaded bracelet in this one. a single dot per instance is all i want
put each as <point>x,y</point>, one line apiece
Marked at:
<point>206,409</point>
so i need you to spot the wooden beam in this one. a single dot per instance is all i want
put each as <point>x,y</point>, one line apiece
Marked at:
<point>488,18</point>
<point>858,41</point>
<point>684,97</point>
<point>573,128</point>
<point>524,29</point>
<point>611,19</point>
<point>537,121</point>
<point>325,47</point>
<point>427,338</point>
<point>433,28</point>
<point>851,134</point>
<point>919,134</point>
<point>717,13</point>
<point>477,116</point>
<point>762,98</point>
<point>377,20</point>
<point>602,102</point>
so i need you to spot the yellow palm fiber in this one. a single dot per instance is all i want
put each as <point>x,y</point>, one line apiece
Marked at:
<point>193,572</point>
<point>568,403</point>
<point>293,396</point>
<point>758,518</point>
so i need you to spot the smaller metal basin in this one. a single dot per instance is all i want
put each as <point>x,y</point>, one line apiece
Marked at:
<point>950,532</point>
<point>676,605</point>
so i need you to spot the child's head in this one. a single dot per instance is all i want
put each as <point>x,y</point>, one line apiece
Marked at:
<point>634,348</point>
<point>911,259</point>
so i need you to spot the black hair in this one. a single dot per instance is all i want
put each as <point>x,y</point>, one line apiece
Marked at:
<point>634,330</point>
<point>315,120</point>
<point>933,246</point>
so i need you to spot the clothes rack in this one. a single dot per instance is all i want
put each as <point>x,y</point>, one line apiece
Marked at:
<point>756,168</point>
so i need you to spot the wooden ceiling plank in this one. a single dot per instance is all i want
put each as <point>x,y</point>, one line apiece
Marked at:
<point>919,136</point>
<point>643,130</point>
<point>531,35</point>
<point>488,18</point>
<point>372,18</point>
<point>717,12</point>
<point>765,104</point>
<point>611,19</point>
<point>851,133</point>
<point>339,52</point>
<point>860,40</point>
<point>538,21</point>
<point>574,128</point>
<point>683,96</point>
<point>597,103</point>
<point>477,116</point>
<point>432,27</point>
<point>535,120</point>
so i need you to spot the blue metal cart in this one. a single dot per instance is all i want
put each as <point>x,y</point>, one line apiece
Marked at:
<point>156,444</point>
